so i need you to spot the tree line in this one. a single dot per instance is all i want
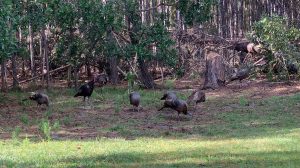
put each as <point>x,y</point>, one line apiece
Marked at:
<point>119,36</point>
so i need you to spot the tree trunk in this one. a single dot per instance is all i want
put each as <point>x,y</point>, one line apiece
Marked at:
<point>42,55</point>
<point>88,70</point>
<point>33,73</point>
<point>76,78</point>
<point>14,71</point>
<point>23,68</point>
<point>46,55</point>
<point>215,71</point>
<point>113,71</point>
<point>3,76</point>
<point>144,74</point>
<point>69,76</point>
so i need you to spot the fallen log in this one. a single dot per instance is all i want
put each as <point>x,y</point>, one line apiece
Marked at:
<point>38,76</point>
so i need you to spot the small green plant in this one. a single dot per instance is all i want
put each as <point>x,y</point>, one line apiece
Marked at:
<point>48,113</point>
<point>45,129</point>
<point>170,84</point>
<point>16,134</point>
<point>117,108</point>
<point>56,126</point>
<point>26,141</point>
<point>243,101</point>
<point>130,77</point>
<point>24,119</point>
<point>66,120</point>
<point>121,129</point>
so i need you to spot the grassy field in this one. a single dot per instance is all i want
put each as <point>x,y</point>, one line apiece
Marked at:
<point>233,131</point>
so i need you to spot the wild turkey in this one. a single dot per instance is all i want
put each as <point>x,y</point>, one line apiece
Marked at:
<point>102,79</point>
<point>86,90</point>
<point>135,98</point>
<point>168,97</point>
<point>40,98</point>
<point>176,104</point>
<point>292,68</point>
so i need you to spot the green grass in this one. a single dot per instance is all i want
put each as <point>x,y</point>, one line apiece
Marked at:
<point>235,132</point>
<point>277,151</point>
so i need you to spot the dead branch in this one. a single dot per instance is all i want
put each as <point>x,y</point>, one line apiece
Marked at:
<point>121,71</point>
<point>55,70</point>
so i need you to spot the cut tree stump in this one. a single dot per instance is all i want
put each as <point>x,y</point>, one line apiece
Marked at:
<point>215,70</point>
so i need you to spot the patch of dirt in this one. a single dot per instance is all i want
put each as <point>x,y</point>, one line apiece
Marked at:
<point>80,123</point>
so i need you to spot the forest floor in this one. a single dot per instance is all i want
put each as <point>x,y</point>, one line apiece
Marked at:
<point>253,124</point>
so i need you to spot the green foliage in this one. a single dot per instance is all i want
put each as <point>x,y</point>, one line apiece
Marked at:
<point>243,101</point>
<point>16,133</point>
<point>56,126</point>
<point>197,11</point>
<point>66,120</point>
<point>8,41</point>
<point>278,40</point>
<point>274,32</point>
<point>24,119</point>
<point>170,84</point>
<point>130,77</point>
<point>45,128</point>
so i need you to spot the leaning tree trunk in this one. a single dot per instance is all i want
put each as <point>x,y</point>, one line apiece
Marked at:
<point>215,71</point>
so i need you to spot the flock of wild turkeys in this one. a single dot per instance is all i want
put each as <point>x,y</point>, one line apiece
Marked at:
<point>170,99</point>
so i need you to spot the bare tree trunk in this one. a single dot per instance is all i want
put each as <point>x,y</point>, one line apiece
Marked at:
<point>14,63</point>
<point>23,68</point>
<point>3,76</point>
<point>14,71</point>
<point>145,76</point>
<point>113,70</point>
<point>46,54</point>
<point>42,55</point>
<point>32,66</point>
<point>76,78</point>
<point>69,76</point>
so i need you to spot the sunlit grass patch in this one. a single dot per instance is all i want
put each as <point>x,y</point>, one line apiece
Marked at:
<point>155,152</point>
